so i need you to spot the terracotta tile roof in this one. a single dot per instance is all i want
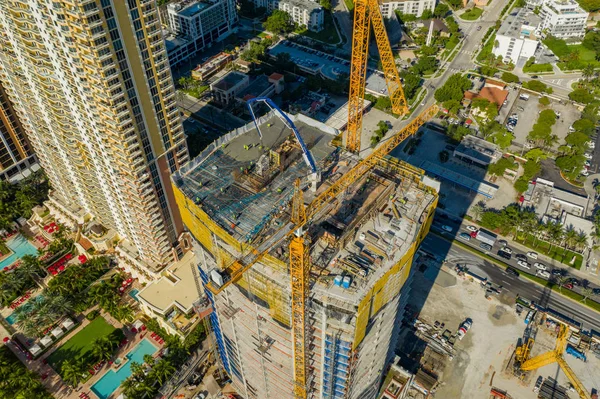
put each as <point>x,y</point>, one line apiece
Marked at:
<point>276,76</point>
<point>492,94</point>
<point>494,83</point>
<point>85,243</point>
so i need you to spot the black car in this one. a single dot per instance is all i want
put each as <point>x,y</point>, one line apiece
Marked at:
<point>574,281</point>
<point>535,77</point>
<point>521,257</point>
<point>558,272</point>
<point>596,291</point>
<point>505,255</point>
<point>512,271</point>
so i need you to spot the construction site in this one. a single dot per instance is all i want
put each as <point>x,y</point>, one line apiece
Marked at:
<point>510,349</point>
<point>356,246</point>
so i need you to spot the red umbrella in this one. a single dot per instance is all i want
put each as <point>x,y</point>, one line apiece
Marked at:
<point>82,258</point>
<point>61,268</point>
<point>6,339</point>
<point>68,256</point>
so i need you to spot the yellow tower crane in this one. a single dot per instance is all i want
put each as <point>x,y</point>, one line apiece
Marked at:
<point>367,14</point>
<point>556,356</point>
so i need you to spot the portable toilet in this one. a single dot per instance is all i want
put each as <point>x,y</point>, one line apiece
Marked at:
<point>346,282</point>
<point>337,281</point>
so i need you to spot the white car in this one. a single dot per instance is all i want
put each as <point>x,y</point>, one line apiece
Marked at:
<point>507,250</point>
<point>540,266</point>
<point>532,255</point>
<point>543,274</point>
<point>587,155</point>
<point>584,173</point>
<point>591,144</point>
<point>471,228</point>
<point>524,264</point>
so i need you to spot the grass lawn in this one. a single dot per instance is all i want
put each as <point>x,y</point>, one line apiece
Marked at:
<point>328,35</point>
<point>534,68</point>
<point>472,14</point>
<point>557,253</point>
<point>80,345</point>
<point>349,5</point>
<point>561,49</point>
<point>196,91</point>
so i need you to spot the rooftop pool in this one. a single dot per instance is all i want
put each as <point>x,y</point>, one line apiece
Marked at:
<point>20,246</point>
<point>110,381</point>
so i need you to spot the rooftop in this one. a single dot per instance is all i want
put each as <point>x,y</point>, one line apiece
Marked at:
<point>256,88</point>
<point>245,186</point>
<point>303,4</point>
<point>478,148</point>
<point>176,287</point>
<point>492,94</point>
<point>229,81</point>
<point>189,8</point>
<point>514,23</point>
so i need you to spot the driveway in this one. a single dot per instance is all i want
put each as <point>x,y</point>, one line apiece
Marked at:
<point>551,172</point>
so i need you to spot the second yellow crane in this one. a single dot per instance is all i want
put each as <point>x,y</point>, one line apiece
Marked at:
<point>367,14</point>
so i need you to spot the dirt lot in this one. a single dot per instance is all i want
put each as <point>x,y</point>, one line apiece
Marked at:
<point>482,356</point>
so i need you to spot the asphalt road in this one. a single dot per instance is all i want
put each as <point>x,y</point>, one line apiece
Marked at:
<point>513,261</point>
<point>516,285</point>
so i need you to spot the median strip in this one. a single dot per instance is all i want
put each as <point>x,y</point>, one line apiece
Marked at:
<point>574,296</point>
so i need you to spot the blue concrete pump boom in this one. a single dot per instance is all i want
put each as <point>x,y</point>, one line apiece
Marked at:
<point>308,158</point>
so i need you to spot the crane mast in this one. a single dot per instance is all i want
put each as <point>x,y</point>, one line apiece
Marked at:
<point>367,14</point>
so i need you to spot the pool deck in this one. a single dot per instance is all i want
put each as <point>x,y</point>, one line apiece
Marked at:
<point>54,383</point>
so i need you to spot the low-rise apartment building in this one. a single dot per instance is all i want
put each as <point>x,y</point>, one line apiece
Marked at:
<point>412,7</point>
<point>518,36</point>
<point>563,19</point>
<point>195,25</point>
<point>229,86</point>
<point>303,12</point>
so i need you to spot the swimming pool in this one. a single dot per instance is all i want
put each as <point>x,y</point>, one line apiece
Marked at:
<point>110,381</point>
<point>20,246</point>
<point>12,319</point>
<point>133,293</point>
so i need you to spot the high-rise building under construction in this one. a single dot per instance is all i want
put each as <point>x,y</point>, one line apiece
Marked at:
<point>358,245</point>
<point>91,85</point>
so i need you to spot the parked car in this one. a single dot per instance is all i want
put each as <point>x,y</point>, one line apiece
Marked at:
<point>568,286</point>
<point>574,281</point>
<point>540,266</point>
<point>504,243</point>
<point>521,257</point>
<point>558,272</point>
<point>447,228</point>
<point>587,155</point>
<point>479,27</point>
<point>513,271</point>
<point>471,228</point>
<point>543,273</point>
<point>465,236</point>
<point>524,264</point>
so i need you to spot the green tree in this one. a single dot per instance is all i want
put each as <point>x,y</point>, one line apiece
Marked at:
<point>453,106</point>
<point>101,349</point>
<point>485,108</point>
<point>326,4</point>
<point>279,22</point>
<point>510,78</point>
<point>545,101</point>
<point>71,372</point>
<point>586,292</point>
<point>162,371</point>
<point>488,71</point>
<point>581,96</point>
<point>499,167</point>
<point>441,10</point>
<point>536,155</point>
<point>585,126</point>
<point>453,89</point>
<point>538,86</point>
<point>521,185</point>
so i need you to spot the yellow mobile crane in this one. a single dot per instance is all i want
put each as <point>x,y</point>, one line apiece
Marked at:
<point>367,14</point>
<point>554,356</point>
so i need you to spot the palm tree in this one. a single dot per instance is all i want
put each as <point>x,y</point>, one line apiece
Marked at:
<point>581,240</point>
<point>560,281</point>
<point>570,237</point>
<point>477,210</point>
<point>130,387</point>
<point>148,359</point>
<point>587,292</point>
<point>588,72</point>
<point>71,372</point>
<point>102,349</point>
<point>162,371</point>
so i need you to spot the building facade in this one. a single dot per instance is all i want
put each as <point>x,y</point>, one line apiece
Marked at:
<point>353,312</point>
<point>413,7</point>
<point>195,25</point>
<point>227,88</point>
<point>563,19</point>
<point>303,12</point>
<point>91,85</point>
<point>16,156</point>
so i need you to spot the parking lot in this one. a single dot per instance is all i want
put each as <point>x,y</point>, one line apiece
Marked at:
<point>528,111</point>
<point>314,61</point>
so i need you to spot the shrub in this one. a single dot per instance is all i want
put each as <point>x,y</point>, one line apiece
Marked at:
<point>510,77</point>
